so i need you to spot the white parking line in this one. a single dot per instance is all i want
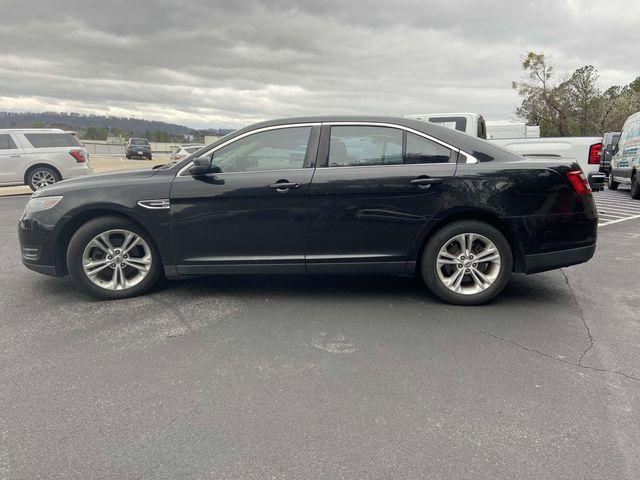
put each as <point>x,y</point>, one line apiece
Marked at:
<point>615,207</point>
<point>618,221</point>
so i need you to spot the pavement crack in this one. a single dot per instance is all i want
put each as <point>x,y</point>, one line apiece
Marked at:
<point>539,352</point>
<point>574,298</point>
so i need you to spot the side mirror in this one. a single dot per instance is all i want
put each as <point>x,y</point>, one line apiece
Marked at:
<point>201,166</point>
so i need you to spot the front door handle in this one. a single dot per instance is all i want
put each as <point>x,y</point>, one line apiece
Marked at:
<point>283,185</point>
<point>425,182</point>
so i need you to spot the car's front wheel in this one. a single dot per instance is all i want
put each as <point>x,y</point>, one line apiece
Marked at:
<point>112,257</point>
<point>612,184</point>
<point>467,262</point>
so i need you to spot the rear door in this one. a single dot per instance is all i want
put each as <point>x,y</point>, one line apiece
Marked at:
<point>376,186</point>
<point>10,159</point>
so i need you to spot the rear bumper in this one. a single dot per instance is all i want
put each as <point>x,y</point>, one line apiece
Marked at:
<point>596,181</point>
<point>541,262</point>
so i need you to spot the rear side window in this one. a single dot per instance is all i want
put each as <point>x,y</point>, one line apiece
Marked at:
<point>6,142</point>
<point>47,140</point>
<point>422,150</point>
<point>365,146</point>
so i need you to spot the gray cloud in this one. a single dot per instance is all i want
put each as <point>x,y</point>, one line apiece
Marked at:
<point>205,63</point>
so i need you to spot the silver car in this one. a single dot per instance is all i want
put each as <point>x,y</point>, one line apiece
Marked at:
<point>38,157</point>
<point>184,151</point>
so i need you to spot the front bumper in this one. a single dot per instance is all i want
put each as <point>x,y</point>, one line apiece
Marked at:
<point>541,262</point>
<point>37,247</point>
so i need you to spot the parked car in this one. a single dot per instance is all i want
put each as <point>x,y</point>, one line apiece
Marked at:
<point>625,163</point>
<point>609,142</point>
<point>38,157</point>
<point>138,148</point>
<point>184,151</point>
<point>320,195</point>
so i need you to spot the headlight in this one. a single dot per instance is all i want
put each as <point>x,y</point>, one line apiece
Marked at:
<point>41,203</point>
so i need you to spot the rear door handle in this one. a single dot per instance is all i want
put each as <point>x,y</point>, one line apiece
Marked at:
<point>424,182</point>
<point>284,185</point>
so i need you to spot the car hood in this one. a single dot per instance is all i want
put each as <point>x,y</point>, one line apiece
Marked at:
<point>98,181</point>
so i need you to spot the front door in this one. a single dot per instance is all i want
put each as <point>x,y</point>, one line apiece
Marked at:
<point>375,188</point>
<point>252,215</point>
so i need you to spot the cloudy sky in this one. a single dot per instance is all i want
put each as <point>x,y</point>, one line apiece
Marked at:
<point>207,63</point>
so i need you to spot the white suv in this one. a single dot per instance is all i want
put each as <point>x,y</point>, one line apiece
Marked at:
<point>40,156</point>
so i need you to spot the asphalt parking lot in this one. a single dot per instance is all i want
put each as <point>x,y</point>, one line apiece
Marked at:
<point>324,377</point>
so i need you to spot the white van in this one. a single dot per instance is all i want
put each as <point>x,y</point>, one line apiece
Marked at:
<point>625,164</point>
<point>38,157</point>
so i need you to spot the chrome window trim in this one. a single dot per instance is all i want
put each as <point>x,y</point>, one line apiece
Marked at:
<point>469,158</point>
<point>246,134</point>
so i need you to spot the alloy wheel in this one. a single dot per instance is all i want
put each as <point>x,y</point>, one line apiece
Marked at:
<point>42,178</point>
<point>117,259</point>
<point>468,263</point>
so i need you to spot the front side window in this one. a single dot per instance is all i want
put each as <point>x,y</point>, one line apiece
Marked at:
<point>423,150</point>
<point>356,146</point>
<point>6,142</point>
<point>280,149</point>
<point>46,140</point>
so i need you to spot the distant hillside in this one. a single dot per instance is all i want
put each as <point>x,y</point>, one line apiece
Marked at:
<point>94,126</point>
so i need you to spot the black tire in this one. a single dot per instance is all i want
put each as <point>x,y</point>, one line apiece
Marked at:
<point>128,157</point>
<point>611,183</point>
<point>442,237</point>
<point>635,187</point>
<point>83,237</point>
<point>35,174</point>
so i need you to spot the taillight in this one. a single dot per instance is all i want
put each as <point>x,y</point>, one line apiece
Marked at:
<point>78,155</point>
<point>595,154</point>
<point>579,182</point>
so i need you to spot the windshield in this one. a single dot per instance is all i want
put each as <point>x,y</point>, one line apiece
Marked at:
<point>139,141</point>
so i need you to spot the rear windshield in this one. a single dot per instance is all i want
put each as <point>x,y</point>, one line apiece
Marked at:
<point>139,141</point>
<point>456,123</point>
<point>46,140</point>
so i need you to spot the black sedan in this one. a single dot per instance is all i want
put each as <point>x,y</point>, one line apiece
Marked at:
<point>319,195</point>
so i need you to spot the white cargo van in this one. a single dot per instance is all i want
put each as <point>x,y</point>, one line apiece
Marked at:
<point>625,164</point>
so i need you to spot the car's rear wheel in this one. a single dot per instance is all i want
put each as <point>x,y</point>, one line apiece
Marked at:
<point>612,184</point>
<point>467,262</point>
<point>40,177</point>
<point>635,187</point>
<point>112,257</point>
